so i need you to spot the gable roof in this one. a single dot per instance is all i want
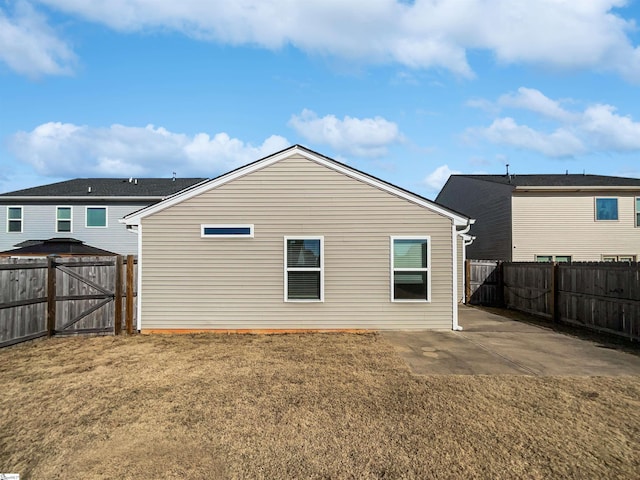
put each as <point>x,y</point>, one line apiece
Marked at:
<point>103,188</point>
<point>571,180</point>
<point>458,218</point>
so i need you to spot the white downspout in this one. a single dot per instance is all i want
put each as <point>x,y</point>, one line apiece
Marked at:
<point>139,299</point>
<point>454,293</point>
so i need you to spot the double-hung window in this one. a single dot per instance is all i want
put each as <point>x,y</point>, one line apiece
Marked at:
<point>304,269</point>
<point>14,219</point>
<point>606,209</point>
<point>410,269</point>
<point>96,217</point>
<point>637,211</point>
<point>63,219</point>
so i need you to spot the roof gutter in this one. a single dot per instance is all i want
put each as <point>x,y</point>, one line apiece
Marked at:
<point>585,188</point>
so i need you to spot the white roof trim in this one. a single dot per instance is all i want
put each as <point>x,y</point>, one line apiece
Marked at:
<point>578,188</point>
<point>41,198</point>
<point>134,218</point>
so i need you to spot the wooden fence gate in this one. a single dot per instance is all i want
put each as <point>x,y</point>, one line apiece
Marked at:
<point>484,283</point>
<point>65,296</point>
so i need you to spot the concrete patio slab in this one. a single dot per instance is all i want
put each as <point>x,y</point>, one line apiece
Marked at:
<point>495,345</point>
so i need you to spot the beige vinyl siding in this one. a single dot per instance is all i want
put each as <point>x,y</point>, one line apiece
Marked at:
<point>564,224</point>
<point>190,282</point>
<point>490,204</point>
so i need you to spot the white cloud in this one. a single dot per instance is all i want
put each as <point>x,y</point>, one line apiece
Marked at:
<point>64,149</point>
<point>436,179</point>
<point>30,47</point>
<point>597,128</point>
<point>560,143</point>
<point>421,34</point>
<point>609,130</point>
<point>535,101</point>
<point>363,137</point>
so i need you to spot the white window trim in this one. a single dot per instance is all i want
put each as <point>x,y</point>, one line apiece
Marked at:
<point>393,269</point>
<point>554,258</point>
<point>227,225</point>
<point>288,269</point>
<point>86,216</point>
<point>15,219</point>
<point>595,208</point>
<point>70,220</point>
<point>637,211</point>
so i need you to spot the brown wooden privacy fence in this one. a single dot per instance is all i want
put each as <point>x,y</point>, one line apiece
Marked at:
<point>65,296</point>
<point>602,296</point>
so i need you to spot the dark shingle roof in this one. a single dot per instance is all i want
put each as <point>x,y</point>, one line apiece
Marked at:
<point>108,187</point>
<point>57,246</point>
<point>560,180</point>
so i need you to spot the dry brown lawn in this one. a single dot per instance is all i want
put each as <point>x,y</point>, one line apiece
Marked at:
<point>297,406</point>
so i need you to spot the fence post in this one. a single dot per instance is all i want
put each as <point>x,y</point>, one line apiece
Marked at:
<point>500,287</point>
<point>554,292</point>
<point>117,321</point>
<point>467,280</point>
<point>129,305</point>
<point>51,295</point>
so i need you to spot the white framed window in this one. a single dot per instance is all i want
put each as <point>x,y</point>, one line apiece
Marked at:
<point>606,209</point>
<point>64,219</point>
<point>619,258</point>
<point>96,217</point>
<point>554,258</point>
<point>14,219</point>
<point>304,269</point>
<point>226,230</point>
<point>411,269</point>
<point>637,211</point>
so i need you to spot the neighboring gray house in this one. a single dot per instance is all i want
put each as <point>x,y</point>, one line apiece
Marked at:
<point>86,209</point>
<point>298,241</point>
<point>561,218</point>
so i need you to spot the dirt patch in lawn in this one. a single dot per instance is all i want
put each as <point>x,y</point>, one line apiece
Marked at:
<point>297,406</point>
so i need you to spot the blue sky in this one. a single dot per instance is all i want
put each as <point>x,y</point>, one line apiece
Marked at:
<point>408,91</point>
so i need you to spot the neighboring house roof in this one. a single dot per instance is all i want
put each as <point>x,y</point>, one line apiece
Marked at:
<point>559,181</point>
<point>94,188</point>
<point>459,219</point>
<point>56,246</point>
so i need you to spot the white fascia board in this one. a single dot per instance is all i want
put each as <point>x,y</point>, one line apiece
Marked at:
<point>40,198</point>
<point>134,219</point>
<point>576,188</point>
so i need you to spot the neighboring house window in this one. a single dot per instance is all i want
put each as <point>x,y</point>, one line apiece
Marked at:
<point>14,219</point>
<point>226,231</point>
<point>554,258</point>
<point>410,272</point>
<point>637,211</point>
<point>63,219</point>
<point>619,258</point>
<point>96,217</point>
<point>606,209</point>
<point>304,269</point>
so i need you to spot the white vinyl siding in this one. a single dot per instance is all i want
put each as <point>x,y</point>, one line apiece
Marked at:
<point>14,219</point>
<point>64,220</point>
<point>189,282</point>
<point>554,223</point>
<point>304,272</point>
<point>96,217</point>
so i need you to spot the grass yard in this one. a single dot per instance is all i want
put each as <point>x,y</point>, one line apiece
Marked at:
<point>297,406</point>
